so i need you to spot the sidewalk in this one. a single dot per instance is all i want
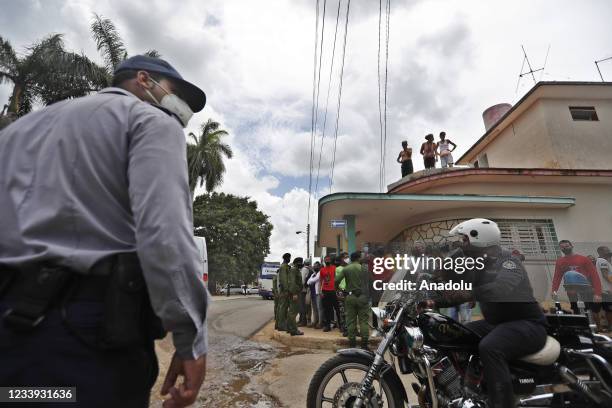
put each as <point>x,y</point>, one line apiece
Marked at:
<point>316,339</point>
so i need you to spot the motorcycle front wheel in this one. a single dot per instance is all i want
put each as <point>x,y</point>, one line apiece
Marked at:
<point>336,385</point>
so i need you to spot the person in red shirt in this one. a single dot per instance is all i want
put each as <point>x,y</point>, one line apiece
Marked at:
<point>328,294</point>
<point>583,265</point>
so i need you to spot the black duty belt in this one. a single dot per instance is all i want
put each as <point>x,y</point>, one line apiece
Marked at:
<point>31,290</point>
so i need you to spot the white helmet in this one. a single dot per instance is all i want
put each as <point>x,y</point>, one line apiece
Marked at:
<point>482,233</point>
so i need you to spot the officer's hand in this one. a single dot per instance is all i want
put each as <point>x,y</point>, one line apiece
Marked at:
<point>597,298</point>
<point>185,394</point>
<point>294,297</point>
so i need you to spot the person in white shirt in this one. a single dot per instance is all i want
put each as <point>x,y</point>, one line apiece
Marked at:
<point>603,264</point>
<point>445,150</point>
<point>315,291</point>
<point>303,298</point>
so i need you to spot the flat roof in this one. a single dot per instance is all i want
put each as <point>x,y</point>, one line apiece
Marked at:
<point>424,178</point>
<point>381,216</point>
<point>525,102</point>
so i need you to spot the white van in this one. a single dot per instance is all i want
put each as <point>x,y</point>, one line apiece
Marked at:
<point>201,245</point>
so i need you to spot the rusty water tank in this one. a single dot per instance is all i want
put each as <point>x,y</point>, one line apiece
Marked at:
<point>493,114</point>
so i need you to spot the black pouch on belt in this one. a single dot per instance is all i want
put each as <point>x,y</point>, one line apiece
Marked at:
<point>128,317</point>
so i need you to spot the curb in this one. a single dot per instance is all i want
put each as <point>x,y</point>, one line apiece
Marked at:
<point>317,343</point>
<point>217,298</point>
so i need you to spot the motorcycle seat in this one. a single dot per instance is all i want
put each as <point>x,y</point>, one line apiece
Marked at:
<point>547,355</point>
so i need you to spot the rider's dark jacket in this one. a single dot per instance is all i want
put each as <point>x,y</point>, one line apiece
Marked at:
<point>503,290</point>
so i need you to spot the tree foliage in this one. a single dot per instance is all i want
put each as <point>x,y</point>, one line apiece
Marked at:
<point>110,44</point>
<point>237,236</point>
<point>47,73</point>
<point>205,156</point>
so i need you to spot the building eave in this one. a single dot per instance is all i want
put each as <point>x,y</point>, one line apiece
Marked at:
<point>381,214</point>
<point>426,177</point>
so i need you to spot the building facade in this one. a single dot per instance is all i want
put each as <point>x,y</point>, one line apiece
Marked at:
<point>542,170</point>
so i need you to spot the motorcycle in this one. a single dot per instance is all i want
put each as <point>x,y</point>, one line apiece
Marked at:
<point>572,370</point>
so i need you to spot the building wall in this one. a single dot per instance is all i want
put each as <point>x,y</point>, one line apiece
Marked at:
<point>589,220</point>
<point>546,136</point>
<point>580,144</point>
<point>526,143</point>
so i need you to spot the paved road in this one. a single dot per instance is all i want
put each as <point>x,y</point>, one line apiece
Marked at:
<point>232,359</point>
<point>239,316</point>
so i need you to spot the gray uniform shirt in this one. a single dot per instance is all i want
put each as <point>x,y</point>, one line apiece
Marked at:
<point>84,179</point>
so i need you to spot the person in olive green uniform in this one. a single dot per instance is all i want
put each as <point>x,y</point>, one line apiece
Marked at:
<point>294,287</point>
<point>356,303</point>
<point>275,295</point>
<point>283,303</point>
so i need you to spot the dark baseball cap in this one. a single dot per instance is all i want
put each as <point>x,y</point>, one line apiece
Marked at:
<point>194,96</point>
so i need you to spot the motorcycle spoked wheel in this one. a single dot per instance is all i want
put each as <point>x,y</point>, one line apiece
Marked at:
<point>344,396</point>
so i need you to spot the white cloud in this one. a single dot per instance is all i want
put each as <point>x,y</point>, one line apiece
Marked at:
<point>447,63</point>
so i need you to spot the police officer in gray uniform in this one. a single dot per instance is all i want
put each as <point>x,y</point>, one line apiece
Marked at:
<point>97,256</point>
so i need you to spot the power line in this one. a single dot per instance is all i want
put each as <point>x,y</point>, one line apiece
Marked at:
<point>386,80</point>
<point>316,118</point>
<point>312,122</point>
<point>379,99</point>
<point>331,179</point>
<point>331,70</point>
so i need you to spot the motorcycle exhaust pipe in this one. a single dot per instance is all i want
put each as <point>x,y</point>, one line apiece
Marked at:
<point>535,398</point>
<point>577,383</point>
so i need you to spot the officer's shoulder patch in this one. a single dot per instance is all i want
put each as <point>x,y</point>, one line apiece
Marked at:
<point>509,265</point>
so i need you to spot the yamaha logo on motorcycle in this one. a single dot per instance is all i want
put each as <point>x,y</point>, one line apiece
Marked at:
<point>442,355</point>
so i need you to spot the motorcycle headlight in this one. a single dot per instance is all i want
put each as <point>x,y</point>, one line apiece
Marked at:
<point>414,338</point>
<point>382,317</point>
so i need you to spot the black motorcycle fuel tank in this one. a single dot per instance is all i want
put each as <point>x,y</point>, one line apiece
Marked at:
<point>443,332</point>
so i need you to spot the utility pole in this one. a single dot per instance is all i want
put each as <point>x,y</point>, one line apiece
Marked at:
<point>308,241</point>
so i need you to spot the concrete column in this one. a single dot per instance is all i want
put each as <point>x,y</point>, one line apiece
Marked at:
<point>350,233</point>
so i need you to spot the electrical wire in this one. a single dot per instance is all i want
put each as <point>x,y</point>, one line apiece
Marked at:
<point>316,116</point>
<point>388,17</point>
<point>380,120</point>
<point>331,179</point>
<point>312,130</point>
<point>331,70</point>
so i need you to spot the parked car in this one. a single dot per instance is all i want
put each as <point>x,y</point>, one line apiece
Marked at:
<point>252,290</point>
<point>234,290</point>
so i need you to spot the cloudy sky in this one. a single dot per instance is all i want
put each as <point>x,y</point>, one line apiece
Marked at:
<point>448,61</point>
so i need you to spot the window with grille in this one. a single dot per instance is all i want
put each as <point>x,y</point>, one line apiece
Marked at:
<point>536,238</point>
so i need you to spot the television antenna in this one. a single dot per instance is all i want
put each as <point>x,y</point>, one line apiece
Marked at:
<point>597,65</point>
<point>531,70</point>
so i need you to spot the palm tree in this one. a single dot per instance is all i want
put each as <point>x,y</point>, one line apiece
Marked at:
<point>110,45</point>
<point>109,42</point>
<point>47,73</point>
<point>205,156</point>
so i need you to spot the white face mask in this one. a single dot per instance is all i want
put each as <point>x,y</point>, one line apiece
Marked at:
<point>173,103</point>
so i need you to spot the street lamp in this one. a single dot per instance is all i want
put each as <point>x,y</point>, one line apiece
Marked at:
<point>307,240</point>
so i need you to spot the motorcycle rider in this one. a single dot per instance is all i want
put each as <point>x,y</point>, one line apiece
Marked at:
<point>513,325</point>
